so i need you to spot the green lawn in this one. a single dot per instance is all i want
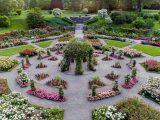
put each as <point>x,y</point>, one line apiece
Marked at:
<point>19,22</point>
<point>116,43</point>
<point>44,44</point>
<point>150,50</point>
<point>16,24</point>
<point>156,25</point>
<point>16,50</point>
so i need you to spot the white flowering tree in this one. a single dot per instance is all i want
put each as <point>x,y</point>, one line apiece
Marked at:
<point>57,12</point>
<point>102,13</point>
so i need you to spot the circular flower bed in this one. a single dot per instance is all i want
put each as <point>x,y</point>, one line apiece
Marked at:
<point>28,52</point>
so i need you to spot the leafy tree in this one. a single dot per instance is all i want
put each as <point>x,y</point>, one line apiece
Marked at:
<point>34,3</point>
<point>35,19</point>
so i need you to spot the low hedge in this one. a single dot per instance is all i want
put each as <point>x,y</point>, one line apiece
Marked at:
<point>95,19</point>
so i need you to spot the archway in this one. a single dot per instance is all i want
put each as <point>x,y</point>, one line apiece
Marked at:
<point>78,51</point>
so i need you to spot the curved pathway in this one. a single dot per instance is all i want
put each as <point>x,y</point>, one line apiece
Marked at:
<point>77,107</point>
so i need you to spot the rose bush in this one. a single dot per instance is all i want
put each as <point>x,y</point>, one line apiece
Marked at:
<point>28,52</point>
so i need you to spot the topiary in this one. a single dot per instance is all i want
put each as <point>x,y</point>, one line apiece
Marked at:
<point>94,87</point>
<point>33,88</point>
<point>61,92</point>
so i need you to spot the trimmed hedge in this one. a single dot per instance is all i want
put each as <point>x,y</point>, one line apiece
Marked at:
<point>122,17</point>
<point>95,19</point>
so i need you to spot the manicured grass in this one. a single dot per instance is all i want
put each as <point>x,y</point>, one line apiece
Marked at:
<point>19,22</point>
<point>44,44</point>
<point>156,25</point>
<point>13,51</point>
<point>150,50</point>
<point>16,24</point>
<point>116,43</point>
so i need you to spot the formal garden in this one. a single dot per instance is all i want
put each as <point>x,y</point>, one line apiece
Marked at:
<point>79,60</point>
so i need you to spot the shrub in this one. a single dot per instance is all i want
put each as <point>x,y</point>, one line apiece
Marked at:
<point>139,23</point>
<point>68,20</point>
<point>57,78</point>
<point>61,92</point>
<point>157,16</point>
<point>149,23</point>
<point>108,20</point>
<point>35,19</point>
<point>96,78</point>
<point>6,63</point>
<point>147,16</point>
<point>151,16</point>
<point>19,11</point>
<point>57,12</point>
<point>118,17</point>
<point>136,109</point>
<point>94,20</point>
<point>85,10</point>
<point>50,11</point>
<point>4,21</point>
<point>53,114</point>
<point>130,17</point>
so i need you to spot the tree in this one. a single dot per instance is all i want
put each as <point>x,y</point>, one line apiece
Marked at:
<point>35,19</point>
<point>57,4</point>
<point>34,3</point>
